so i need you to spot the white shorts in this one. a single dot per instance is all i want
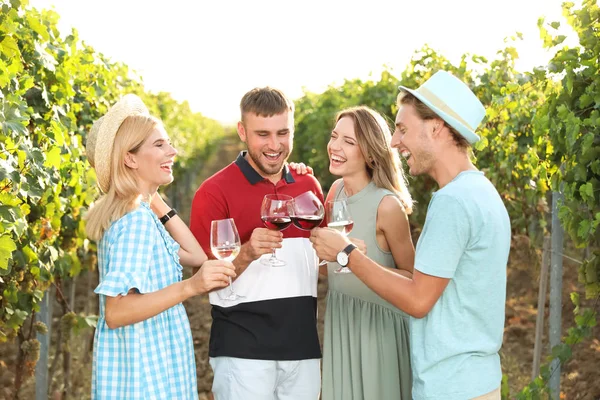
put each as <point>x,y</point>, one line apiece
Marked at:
<point>243,379</point>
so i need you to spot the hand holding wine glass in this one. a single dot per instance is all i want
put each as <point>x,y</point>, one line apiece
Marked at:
<point>213,274</point>
<point>308,213</point>
<point>275,212</point>
<point>328,243</point>
<point>225,245</point>
<point>340,219</point>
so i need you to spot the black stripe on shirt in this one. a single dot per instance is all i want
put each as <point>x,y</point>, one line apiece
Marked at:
<point>278,329</point>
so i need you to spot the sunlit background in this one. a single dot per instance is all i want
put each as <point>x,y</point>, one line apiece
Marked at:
<point>211,52</point>
<point>207,54</point>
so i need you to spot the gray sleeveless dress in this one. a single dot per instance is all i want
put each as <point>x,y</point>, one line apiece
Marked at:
<point>366,354</point>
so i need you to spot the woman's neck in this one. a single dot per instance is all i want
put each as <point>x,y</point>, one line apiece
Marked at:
<point>147,191</point>
<point>355,183</point>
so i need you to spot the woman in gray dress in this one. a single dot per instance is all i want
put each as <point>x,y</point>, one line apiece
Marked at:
<point>366,345</point>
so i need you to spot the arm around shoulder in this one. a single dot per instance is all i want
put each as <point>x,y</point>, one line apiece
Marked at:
<point>190,252</point>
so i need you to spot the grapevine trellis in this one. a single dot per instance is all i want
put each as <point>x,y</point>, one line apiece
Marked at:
<point>540,147</point>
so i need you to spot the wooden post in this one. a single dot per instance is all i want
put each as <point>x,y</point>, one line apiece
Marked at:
<point>556,275</point>
<point>541,306</point>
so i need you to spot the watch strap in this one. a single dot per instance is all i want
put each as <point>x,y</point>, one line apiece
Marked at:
<point>168,216</point>
<point>348,249</point>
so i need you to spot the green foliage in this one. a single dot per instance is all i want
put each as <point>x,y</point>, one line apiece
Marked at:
<point>534,125</point>
<point>52,88</point>
<point>566,130</point>
<point>585,320</point>
<point>570,117</point>
<point>507,152</point>
<point>194,137</point>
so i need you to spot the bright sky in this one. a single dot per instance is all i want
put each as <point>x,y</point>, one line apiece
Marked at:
<point>211,52</point>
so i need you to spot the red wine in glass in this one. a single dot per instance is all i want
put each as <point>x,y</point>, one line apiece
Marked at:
<point>308,211</point>
<point>275,212</point>
<point>277,223</point>
<point>307,222</point>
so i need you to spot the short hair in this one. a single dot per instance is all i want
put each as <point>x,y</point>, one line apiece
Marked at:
<point>426,113</point>
<point>265,102</point>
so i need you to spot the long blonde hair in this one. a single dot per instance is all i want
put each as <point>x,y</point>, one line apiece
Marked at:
<point>123,193</point>
<point>383,164</point>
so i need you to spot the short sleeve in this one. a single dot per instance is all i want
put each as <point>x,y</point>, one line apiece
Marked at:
<point>444,238</point>
<point>129,256</point>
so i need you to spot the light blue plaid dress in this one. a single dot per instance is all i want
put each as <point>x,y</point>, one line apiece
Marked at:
<point>152,359</point>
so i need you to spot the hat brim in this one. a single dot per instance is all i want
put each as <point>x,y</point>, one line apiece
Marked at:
<point>129,105</point>
<point>461,128</point>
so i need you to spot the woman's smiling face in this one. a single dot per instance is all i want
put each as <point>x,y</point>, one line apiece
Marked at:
<point>345,156</point>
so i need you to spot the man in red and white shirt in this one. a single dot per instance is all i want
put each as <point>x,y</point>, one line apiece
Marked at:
<point>263,345</point>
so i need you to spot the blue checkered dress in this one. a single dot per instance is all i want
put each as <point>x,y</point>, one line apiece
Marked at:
<point>152,359</point>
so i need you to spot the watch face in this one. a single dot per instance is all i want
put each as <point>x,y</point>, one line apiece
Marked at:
<point>342,258</point>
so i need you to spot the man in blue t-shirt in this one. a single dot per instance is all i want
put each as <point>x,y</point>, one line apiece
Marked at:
<point>457,293</point>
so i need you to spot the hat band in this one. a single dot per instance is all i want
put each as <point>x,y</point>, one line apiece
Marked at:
<point>438,103</point>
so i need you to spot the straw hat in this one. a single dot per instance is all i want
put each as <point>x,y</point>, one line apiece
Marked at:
<point>99,146</point>
<point>453,102</point>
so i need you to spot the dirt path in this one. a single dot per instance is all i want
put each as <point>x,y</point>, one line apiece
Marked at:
<point>198,308</point>
<point>580,378</point>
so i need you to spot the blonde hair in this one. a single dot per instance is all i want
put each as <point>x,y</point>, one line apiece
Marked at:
<point>123,194</point>
<point>383,164</point>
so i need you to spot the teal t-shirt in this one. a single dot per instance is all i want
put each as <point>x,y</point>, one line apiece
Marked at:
<point>466,238</point>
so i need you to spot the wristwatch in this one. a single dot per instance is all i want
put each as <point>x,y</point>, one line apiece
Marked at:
<point>168,216</point>
<point>342,256</point>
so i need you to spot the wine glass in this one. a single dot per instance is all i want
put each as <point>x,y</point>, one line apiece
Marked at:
<point>340,219</point>
<point>225,245</point>
<point>308,211</point>
<point>275,212</point>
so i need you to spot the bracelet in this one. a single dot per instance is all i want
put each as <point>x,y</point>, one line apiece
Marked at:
<point>168,216</point>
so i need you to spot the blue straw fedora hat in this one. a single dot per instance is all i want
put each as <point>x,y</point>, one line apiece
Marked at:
<point>453,101</point>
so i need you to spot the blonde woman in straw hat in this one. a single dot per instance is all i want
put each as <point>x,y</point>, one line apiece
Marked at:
<point>457,292</point>
<point>143,345</point>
